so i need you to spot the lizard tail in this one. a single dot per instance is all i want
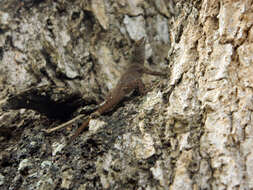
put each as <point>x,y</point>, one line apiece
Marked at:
<point>80,129</point>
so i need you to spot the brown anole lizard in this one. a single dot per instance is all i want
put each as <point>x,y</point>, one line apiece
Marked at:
<point>129,81</point>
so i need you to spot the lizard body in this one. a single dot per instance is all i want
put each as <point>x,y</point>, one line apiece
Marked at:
<point>129,81</point>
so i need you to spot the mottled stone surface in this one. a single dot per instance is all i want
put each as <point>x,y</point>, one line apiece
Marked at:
<point>192,130</point>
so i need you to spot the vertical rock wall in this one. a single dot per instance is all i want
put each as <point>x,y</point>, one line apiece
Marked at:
<point>193,130</point>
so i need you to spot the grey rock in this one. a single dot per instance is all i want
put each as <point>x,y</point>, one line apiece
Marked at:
<point>1,179</point>
<point>25,165</point>
<point>135,27</point>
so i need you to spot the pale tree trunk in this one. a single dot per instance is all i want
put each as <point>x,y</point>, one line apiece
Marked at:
<point>192,130</point>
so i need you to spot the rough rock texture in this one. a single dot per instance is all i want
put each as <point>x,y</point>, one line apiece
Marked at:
<point>193,130</point>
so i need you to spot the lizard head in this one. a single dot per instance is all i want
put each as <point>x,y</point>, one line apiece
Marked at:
<point>139,51</point>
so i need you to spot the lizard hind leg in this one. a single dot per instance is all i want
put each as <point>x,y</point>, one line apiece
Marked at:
<point>80,129</point>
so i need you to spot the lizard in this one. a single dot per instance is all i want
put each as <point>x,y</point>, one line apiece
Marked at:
<point>128,82</point>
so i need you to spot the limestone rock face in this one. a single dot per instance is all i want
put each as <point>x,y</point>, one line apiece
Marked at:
<point>192,130</point>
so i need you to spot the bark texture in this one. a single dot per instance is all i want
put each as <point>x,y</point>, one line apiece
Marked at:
<point>193,130</point>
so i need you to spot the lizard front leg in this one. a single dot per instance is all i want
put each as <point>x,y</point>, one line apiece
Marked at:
<point>149,72</point>
<point>141,87</point>
<point>80,129</point>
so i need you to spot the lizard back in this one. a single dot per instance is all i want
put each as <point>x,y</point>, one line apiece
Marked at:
<point>129,79</point>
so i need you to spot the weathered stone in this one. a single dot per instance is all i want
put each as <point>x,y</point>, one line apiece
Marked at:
<point>4,20</point>
<point>67,177</point>
<point>1,179</point>
<point>135,27</point>
<point>25,165</point>
<point>45,183</point>
<point>98,8</point>
<point>192,130</point>
<point>57,148</point>
<point>144,147</point>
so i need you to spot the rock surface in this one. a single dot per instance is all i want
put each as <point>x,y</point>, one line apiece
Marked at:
<point>192,130</point>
